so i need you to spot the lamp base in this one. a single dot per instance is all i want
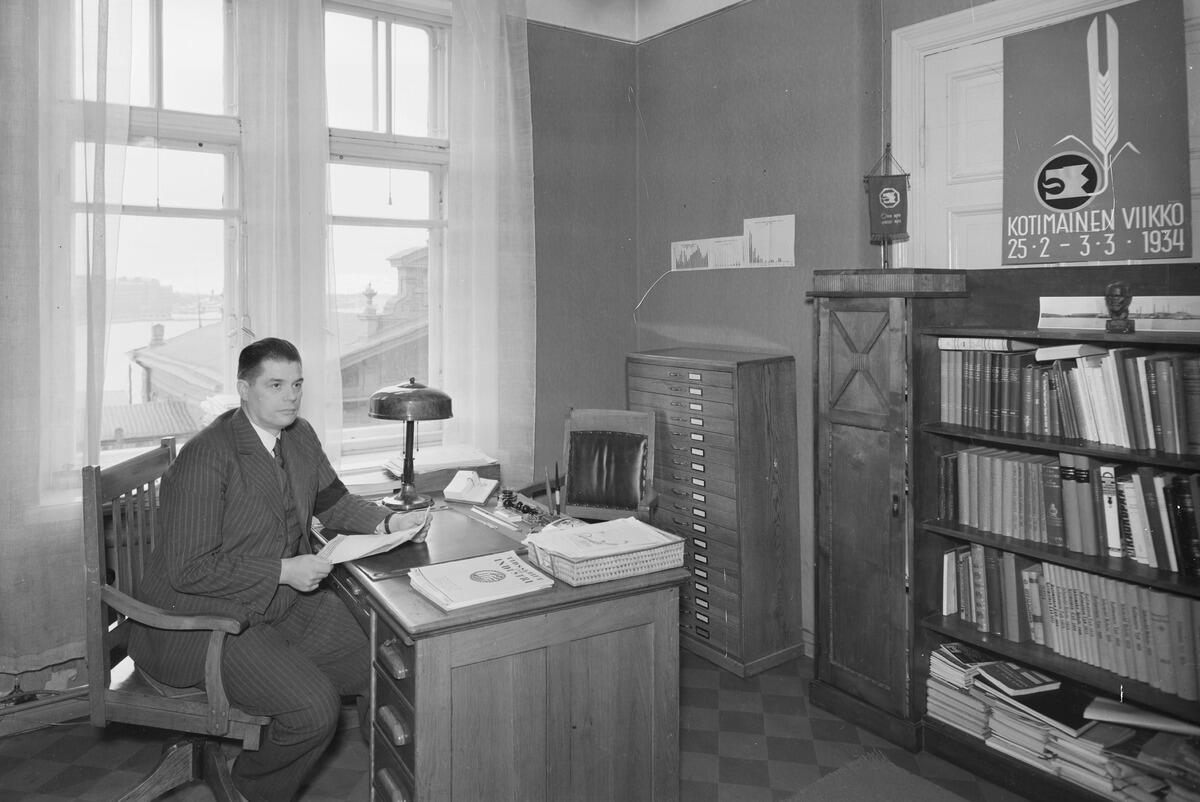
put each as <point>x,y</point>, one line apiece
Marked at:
<point>407,499</point>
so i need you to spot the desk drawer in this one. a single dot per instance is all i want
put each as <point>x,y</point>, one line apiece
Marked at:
<point>396,660</point>
<point>705,596</point>
<point>392,781</point>
<point>353,596</point>
<point>684,390</point>
<point>714,576</point>
<point>395,722</point>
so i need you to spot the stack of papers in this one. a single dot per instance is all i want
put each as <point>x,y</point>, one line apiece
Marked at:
<point>477,580</point>
<point>604,539</point>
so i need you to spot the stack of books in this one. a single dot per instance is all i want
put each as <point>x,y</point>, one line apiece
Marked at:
<point>477,580</point>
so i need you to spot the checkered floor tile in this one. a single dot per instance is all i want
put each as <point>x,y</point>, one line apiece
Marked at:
<point>740,739</point>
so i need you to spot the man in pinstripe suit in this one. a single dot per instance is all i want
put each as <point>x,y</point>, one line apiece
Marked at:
<point>234,542</point>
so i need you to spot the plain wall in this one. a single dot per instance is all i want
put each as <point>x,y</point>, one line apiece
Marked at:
<point>767,107</point>
<point>583,162</point>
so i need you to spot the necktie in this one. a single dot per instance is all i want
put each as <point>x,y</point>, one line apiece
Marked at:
<point>289,503</point>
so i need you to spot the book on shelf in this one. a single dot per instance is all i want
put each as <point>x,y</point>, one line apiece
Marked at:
<point>1015,679</point>
<point>1182,638</point>
<point>950,582</point>
<point>477,580</point>
<point>1031,586</point>
<point>1103,708</point>
<point>1186,497</point>
<point>1160,637</point>
<point>1106,481</point>
<point>1061,707</point>
<point>1190,384</point>
<point>1048,353</point>
<point>984,344</point>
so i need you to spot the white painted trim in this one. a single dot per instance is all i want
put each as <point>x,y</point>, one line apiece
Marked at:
<point>910,46</point>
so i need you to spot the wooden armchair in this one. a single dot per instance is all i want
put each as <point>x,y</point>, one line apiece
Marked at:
<point>116,554</point>
<point>609,454</point>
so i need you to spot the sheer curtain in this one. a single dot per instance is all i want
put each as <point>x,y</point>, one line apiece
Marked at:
<point>285,153</point>
<point>490,299</point>
<point>58,246</point>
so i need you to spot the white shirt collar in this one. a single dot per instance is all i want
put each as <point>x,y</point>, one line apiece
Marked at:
<point>268,439</point>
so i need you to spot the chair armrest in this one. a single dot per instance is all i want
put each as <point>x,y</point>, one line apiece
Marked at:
<point>160,619</point>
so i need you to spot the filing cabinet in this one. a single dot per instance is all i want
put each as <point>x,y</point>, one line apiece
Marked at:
<point>727,480</point>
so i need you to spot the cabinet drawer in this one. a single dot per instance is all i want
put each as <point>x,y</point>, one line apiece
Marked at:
<point>714,576</point>
<point>707,596</point>
<point>702,466</point>
<point>720,422</point>
<point>703,626</point>
<point>715,509</point>
<point>392,782</point>
<point>685,448</point>
<point>691,528</point>
<point>677,437</point>
<point>690,480</point>
<point>674,374</point>
<point>396,660</point>
<point>395,723</point>
<point>693,391</point>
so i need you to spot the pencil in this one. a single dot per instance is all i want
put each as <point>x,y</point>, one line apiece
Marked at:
<point>557,491</point>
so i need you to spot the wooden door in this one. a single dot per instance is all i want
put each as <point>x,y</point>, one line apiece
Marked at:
<point>863,530</point>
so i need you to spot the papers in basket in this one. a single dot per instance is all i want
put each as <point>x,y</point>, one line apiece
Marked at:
<point>604,539</point>
<point>477,580</point>
<point>342,548</point>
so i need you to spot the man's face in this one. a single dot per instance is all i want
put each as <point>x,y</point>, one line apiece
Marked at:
<point>272,400</point>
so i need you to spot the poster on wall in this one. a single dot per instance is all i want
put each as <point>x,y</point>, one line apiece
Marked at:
<point>1096,139</point>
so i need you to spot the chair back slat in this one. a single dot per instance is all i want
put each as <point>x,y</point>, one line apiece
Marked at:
<point>120,516</point>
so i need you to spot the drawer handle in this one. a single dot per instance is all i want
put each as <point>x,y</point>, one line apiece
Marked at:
<point>700,587</point>
<point>393,726</point>
<point>390,788</point>
<point>393,659</point>
<point>700,572</point>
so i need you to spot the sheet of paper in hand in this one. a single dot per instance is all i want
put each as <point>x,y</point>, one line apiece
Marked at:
<point>342,547</point>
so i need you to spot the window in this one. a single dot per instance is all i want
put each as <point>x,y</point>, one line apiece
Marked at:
<point>176,213</point>
<point>386,99</point>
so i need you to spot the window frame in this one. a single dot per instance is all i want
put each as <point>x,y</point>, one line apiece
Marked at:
<point>403,151</point>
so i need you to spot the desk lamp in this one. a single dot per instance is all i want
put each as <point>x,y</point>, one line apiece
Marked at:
<point>409,402</point>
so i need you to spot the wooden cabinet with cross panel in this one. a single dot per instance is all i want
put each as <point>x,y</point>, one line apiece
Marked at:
<point>863,669</point>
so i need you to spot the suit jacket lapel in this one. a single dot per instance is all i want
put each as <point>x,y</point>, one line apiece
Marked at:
<point>258,466</point>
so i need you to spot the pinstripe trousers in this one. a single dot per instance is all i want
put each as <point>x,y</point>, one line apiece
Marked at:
<point>294,669</point>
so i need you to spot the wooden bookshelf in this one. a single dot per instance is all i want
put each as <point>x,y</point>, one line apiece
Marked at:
<point>1004,303</point>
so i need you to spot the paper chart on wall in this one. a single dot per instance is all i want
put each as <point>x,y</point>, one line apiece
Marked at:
<point>764,242</point>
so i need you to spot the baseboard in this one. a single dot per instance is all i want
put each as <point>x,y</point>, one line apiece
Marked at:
<point>886,725</point>
<point>43,713</point>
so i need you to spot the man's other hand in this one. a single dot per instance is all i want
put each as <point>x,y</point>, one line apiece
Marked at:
<point>304,571</point>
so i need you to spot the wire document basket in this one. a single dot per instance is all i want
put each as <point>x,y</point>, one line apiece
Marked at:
<point>577,572</point>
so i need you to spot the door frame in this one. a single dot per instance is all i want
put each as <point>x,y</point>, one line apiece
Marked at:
<point>912,43</point>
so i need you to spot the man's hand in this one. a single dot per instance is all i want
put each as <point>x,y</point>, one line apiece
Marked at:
<point>304,571</point>
<point>417,519</point>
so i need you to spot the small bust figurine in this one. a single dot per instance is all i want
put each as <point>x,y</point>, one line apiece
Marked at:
<point>1117,297</point>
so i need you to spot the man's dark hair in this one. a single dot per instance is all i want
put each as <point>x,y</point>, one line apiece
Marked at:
<point>253,355</point>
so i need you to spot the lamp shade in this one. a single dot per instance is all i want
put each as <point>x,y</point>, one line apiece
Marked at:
<point>409,401</point>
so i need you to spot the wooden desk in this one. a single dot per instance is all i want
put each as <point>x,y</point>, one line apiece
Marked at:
<point>567,694</point>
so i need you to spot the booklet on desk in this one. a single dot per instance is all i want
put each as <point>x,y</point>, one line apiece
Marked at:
<point>478,580</point>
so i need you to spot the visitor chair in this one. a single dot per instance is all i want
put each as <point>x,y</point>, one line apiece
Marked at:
<point>120,517</point>
<point>609,458</point>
